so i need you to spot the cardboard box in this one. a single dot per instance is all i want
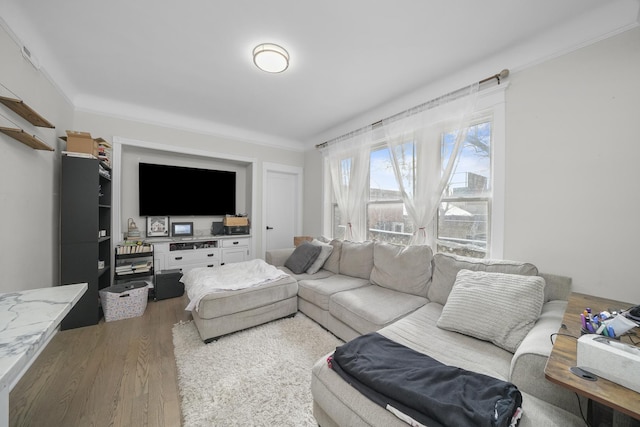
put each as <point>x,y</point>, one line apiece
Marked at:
<point>235,221</point>
<point>298,240</point>
<point>81,142</point>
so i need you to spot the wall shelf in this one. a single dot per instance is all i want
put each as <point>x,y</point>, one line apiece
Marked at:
<point>23,110</point>
<point>25,138</point>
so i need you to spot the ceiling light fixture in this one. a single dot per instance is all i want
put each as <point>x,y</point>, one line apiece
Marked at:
<point>271,58</point>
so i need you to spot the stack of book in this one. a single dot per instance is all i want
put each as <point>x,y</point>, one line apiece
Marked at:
<point>134,267</point>
<point>104,151</point>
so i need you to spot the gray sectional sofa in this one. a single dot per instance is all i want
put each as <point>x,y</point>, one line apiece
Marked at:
<point>496,320</point>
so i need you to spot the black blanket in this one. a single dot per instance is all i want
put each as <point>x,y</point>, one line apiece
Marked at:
<point>419,386</point>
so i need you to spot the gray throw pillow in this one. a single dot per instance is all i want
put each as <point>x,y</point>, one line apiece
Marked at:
<point>302,257</point>
<point>496,307</point>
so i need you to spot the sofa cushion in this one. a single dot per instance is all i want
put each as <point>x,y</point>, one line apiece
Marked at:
<point>496,307</point>
<point>325,251</point>
<point>402,268</point>
<point>370,308</point>
<point>305,276</point>
<point>356,259</point>
<point>446,267</point>
<point>224,303</point>
<point>319,291</point>
<point>302,257</point>
<point>332,263</point>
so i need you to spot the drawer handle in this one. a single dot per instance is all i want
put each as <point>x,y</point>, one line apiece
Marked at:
<point>235,243</point>
<point>210,265</point>
<point>178,258</point>
<point>209,254</point>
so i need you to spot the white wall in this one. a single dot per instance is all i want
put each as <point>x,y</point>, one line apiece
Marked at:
<point>572,186</point>
<point>29,179</point>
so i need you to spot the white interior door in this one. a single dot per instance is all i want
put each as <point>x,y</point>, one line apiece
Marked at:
<point>282,201</point>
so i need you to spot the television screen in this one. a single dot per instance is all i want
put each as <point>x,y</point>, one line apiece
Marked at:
<point>182,191</point>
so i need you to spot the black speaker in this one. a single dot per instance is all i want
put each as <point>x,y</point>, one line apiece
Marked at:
<point>217,228</point>
<point>168,285</point>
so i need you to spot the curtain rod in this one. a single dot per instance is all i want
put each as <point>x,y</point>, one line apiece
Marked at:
<point>499,76</point>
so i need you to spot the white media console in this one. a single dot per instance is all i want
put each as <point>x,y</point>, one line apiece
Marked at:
<point>188,253</point>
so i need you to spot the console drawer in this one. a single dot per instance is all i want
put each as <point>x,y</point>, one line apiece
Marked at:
<point>177,259</point>
<point>234,243</point>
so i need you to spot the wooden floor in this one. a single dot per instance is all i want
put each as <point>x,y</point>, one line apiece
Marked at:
<point>120,373</point>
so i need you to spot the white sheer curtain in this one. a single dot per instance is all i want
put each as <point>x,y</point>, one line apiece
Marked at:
<point>414,139</point>
<point>348,160</point>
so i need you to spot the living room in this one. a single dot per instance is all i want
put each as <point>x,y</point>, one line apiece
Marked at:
<point>569,163</point>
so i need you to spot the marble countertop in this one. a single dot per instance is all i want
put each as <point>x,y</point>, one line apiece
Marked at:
<point>27,320</point>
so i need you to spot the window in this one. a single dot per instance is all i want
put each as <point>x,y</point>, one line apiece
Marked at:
<point>470,218</point>
<point>386,215</point>
<point>463,218</point>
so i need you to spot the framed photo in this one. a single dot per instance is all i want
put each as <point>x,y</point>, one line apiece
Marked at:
<point>157,226</point>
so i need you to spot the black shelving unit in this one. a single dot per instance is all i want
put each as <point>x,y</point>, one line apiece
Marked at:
<point>85,234</point>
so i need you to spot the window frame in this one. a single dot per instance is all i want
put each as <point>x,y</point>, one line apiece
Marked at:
<point>479,117</point>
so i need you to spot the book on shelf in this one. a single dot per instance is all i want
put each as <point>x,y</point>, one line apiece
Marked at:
<point>133,248</point>
<point>141,264</point>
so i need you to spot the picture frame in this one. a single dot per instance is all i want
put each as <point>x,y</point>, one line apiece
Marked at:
<point>157,226</point>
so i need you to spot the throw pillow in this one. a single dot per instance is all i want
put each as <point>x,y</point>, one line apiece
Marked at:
<point>496,307</point>
<point>402,268</point>
<point>447,266</point>
<point>325,251</point>
<point>302,257</point>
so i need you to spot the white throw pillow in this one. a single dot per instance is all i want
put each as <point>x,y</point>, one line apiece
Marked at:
<point>497,307</point>
<point>325,251</point>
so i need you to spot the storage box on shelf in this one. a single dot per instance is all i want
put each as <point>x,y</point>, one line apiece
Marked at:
<point>81,142</point>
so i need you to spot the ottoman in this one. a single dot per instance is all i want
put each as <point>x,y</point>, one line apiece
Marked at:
<point>221,313</point>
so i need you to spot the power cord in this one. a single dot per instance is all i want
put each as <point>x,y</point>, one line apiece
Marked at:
<point>558,333</point>
<point>577,395</point>
<point>581,414</point>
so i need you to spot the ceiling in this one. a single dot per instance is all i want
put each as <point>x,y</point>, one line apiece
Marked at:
<point>188,64</point>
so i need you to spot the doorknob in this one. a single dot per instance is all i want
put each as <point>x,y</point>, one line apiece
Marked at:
<point>269,228</point>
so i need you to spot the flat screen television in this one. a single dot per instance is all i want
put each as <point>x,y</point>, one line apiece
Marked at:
<point>166,190</point>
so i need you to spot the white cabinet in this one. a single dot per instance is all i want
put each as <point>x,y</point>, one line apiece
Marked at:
<point>235,250</point>
<point>188,254</point>
<point>191,258</point>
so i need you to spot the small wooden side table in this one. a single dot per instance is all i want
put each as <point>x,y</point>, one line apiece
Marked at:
<point>563,357</point>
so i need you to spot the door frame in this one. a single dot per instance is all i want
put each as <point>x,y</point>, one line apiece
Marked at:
<point>298,172</point>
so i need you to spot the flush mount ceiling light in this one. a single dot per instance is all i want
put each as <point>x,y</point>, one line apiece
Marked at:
<point>271,58</point>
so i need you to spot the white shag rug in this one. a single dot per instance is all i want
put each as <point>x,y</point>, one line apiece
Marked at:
<point>256,377</point>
